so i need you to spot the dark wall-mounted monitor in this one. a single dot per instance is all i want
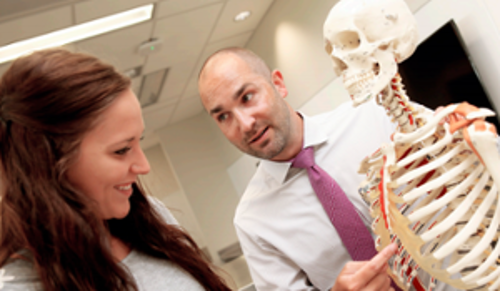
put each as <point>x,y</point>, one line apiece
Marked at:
<point>440,72</point>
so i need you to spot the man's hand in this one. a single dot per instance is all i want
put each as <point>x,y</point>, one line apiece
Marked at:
<point>367,275</point>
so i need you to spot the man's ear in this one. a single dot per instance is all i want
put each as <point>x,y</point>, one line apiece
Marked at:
<point>279,83</point>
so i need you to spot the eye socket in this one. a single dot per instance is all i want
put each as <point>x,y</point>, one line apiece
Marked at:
<point>328,47</point>
<point>383,47</point>
<point>346,41</point>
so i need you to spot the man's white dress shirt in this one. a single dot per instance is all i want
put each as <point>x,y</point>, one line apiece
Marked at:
<point>287,238</point>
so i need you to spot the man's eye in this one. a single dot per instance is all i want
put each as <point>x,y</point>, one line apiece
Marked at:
<point>122,151</point>
<point>247,97</point>
<point>222,117</point>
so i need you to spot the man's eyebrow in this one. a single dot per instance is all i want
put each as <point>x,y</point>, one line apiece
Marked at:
<point>236,95</point>
<point>240,91</point>
<point>216,110</point>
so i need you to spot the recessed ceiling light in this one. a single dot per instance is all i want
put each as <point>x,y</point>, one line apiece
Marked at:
<point>242,16</point>
<point>77,32</point>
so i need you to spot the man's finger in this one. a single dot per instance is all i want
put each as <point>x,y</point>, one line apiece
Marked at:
<point>376,265</point>
<point>353,267</point>
<point>381,282</point>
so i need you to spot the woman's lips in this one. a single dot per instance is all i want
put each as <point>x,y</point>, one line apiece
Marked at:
<point>125,188</point>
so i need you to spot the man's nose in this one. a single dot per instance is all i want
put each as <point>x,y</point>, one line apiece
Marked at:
<point>245,119</point>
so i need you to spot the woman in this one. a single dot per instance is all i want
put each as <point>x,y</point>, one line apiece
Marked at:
<point>73,216</point>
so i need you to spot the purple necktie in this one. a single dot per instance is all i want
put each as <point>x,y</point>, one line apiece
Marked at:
<point>344,217</point>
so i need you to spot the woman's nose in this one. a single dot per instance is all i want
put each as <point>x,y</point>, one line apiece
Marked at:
<point>141,165</point>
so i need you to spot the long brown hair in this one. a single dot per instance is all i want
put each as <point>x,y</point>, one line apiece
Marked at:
<point>48,101</point>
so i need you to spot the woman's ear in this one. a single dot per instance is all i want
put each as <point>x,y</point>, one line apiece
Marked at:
<point>279,83</point>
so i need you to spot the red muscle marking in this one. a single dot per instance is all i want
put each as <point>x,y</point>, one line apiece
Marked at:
<point>382,194</point>
<point>416,282</point>
<point>405,154</point>
<point>442,193</point>
<point>426,177</point>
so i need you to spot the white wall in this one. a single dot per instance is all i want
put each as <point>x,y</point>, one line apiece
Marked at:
<point>290,38</point>
<point>162,183</point>
<point>200,154</point>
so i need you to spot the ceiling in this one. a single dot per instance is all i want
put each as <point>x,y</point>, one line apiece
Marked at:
<point>190,30</point>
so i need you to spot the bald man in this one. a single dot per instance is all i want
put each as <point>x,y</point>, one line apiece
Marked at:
<point>287,237</point>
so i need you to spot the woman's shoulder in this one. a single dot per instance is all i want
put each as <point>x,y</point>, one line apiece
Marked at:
<point>19,274</point>
<point>159,207</point>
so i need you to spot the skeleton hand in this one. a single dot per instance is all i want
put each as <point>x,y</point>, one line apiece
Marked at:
<point>367,275</point>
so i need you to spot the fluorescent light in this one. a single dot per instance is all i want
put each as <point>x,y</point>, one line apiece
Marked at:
<point>151,87</point>
<point>242,16</point>
<point>76,33</point>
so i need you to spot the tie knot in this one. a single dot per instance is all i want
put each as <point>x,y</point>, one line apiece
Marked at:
<point>305,159</point>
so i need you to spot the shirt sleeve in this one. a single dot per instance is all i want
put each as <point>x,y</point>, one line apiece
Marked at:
<point>270,269</point>
<point>161,209</point>
<point>19,275</point>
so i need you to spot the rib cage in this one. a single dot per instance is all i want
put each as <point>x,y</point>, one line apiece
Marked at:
<point>431,193</point>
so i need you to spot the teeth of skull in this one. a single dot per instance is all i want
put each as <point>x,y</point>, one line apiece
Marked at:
<point>358,82</point>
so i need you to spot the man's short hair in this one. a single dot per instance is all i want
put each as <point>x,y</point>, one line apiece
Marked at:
<point>255,62</point>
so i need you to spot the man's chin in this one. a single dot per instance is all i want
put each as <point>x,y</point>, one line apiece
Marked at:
<point>266,154</point>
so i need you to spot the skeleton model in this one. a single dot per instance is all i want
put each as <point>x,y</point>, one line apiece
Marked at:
<point>433,189</point>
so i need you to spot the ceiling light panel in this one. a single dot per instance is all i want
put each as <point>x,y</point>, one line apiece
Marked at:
<point>151,87</point>
<point>89,10</point>
<point>76,33</point>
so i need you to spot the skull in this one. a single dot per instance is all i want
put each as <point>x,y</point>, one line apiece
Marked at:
<point>366,39</point>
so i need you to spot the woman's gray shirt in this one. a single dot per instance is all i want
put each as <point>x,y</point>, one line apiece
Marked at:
<point>150,274</point>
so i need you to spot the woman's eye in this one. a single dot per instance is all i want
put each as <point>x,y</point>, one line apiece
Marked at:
<point>247,97</point>
<point>122,151</point>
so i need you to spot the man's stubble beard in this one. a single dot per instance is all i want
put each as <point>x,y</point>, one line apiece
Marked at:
<point>278,145</point>
<point>279,141</point>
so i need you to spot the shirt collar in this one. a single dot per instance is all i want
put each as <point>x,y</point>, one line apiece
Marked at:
<point>313,136</point>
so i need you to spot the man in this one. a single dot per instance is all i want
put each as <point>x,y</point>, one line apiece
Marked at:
<point>288,239</point>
